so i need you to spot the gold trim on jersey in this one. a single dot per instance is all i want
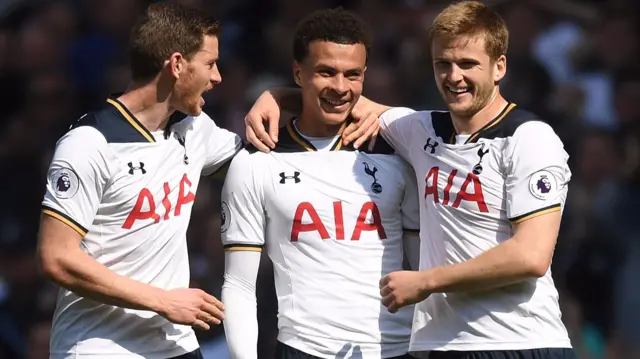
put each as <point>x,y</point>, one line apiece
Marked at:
<point>65,219</point>
<point>242,247</point>
<point>131,119</point>
<point>536,213</point>
<point>297,136</point>
<point>492,123</point>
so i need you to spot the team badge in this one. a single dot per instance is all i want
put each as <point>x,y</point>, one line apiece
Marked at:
<point>542,184</point>
<point>371,172</point>
<point>225,217</point>
<point>64,183</point>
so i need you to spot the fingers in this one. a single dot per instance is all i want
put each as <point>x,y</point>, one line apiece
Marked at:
<point>274,125</point>
<point>253,139</point>
<point>369,132</point>
<point>385,291</point>
<point>372,142</point>
<point>256,131</point>
<point>383,281</point>
<point>212,313</point>
<point>361,131</point>
<point>201,325</point>
<point>213,300</point>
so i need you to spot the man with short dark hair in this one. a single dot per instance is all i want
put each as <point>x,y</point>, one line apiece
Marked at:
<point>332,219</point>
<point>119,195</point>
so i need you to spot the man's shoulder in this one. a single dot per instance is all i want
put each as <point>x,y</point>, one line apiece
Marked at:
<point>82,140</point>
<point>406,114</point>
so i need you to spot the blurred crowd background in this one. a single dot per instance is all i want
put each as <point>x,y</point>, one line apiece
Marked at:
<point>573,62</point>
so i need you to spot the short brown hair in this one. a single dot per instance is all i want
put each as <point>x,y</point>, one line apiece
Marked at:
<point>469,18</point>
<point>163,29</point>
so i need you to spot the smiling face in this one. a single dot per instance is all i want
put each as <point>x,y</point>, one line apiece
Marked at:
<point>331,78</point>
<point>196,76</point>
<point>466,76</point>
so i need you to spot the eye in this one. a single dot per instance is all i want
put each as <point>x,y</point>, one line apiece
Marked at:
<point>353,75</point>
<point>326,72</point>
<point>465,65</point>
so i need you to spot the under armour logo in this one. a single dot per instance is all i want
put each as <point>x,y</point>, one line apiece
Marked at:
<point>133,168</point>
<point>477,169</point>
<point>295,177</point>
<point>375,186</point>
<point>431,145</point>
<point>182,141</point>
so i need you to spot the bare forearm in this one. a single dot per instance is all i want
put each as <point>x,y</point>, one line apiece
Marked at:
<point>498,267</point>
<point>371,106</point>
<point>85,276</point>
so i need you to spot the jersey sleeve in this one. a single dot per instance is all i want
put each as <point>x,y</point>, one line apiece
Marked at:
<point>537,173</point>
<point>395,128</point>
<point>220,145</point>
<point>243,221</point>
<point>410,203</point>
<point>76,178</point>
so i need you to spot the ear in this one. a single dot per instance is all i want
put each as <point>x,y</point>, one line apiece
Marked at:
<point>500,68</point>
<point>175,64</point>
<point>297,77</point>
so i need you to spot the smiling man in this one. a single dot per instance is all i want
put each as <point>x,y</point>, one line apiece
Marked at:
<point>119,194</point>
<point>493,181</point>
<point>332,219</point>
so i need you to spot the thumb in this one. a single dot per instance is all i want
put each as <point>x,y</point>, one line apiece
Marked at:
<point>274,125</point>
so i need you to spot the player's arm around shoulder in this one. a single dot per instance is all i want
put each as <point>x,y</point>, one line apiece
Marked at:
<point>77,176</point>
<point>220,146</point>
<point>243,236</point>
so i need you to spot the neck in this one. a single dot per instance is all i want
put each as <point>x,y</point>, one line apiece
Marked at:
<point>309,125</point>
<point>469,125</point>
<point>147,104</point>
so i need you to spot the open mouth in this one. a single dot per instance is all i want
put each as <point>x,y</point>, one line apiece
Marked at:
<point>334,105</point>
<point>458,90</point>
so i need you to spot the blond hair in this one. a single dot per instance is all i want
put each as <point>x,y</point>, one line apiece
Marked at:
<point>472,18</point>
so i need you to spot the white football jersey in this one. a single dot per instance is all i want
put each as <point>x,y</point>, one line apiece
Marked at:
<point>332,223</point>
<point>473,188</point>
<point>129,193</point>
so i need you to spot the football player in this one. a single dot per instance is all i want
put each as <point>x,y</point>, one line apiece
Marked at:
<point>332,219</point>
<point>119,195</point>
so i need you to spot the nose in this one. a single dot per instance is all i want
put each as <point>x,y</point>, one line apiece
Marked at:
<point>216,78</point>
<point>455,73</point>
<point>340,84</point>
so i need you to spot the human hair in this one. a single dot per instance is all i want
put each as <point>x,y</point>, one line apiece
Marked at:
<point>332,25</point>
<point>163,29</point>
<point>471,18</point>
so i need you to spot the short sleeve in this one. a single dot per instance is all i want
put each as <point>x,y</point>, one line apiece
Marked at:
<point>220,144</point>
<point>410,202</point>
<point>76,178</point>
<point>395,130</point>
<point>537,173</point>
<point>243,221</point>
